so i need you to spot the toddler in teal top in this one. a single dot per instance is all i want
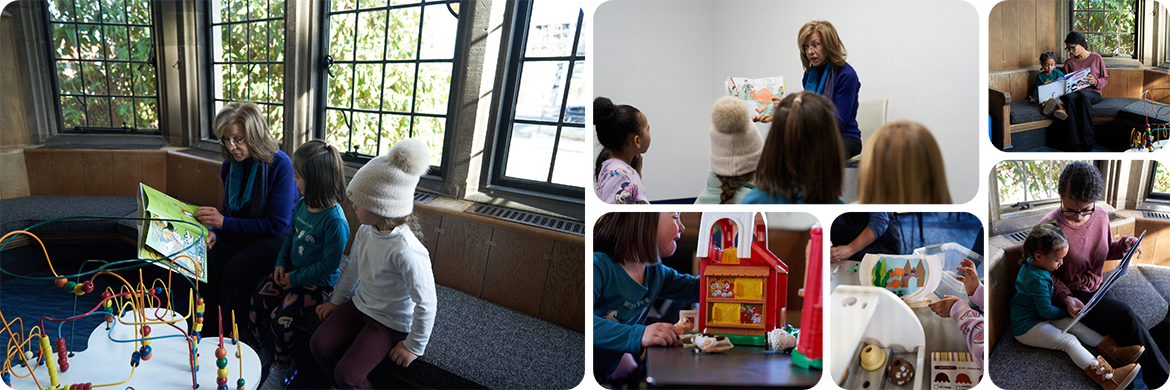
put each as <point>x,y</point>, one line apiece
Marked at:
<point>627,277</point>
<point>1048,73</point>
<point>1037,322</point>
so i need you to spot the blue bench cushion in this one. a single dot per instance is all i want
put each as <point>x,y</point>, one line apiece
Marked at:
<point>1023,111</point>
<point>1139,110</point>
<point>21,213</point>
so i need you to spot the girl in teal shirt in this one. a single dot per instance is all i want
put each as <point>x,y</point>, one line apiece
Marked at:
<point>1037,322</point>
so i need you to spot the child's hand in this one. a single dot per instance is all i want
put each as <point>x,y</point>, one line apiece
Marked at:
<point>1073,305</point>
<point>970,278</point>
<point>210,240</point>
<point>660,334</point>
<point>281,277</point>
<point>325,309</point>
<point>209,216</point>
<point>840,252</point>
<point>1032,100</point>
<point>401,356</point>
<point>943,308</point>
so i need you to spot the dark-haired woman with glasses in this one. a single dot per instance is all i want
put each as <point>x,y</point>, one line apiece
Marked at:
<point>1074,283</point>
<point>259,194</point>
<point>1079,104</point>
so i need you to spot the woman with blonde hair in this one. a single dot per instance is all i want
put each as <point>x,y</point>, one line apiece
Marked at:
<point>827,74</point>
<point>259,194</point>
<point>904,166</point>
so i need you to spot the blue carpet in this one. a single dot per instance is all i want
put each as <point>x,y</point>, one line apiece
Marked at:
<point>939,228</point>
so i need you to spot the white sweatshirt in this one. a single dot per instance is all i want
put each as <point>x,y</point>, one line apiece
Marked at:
<point>397,287</point>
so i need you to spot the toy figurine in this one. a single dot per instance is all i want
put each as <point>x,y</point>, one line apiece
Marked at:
<point>706,342</point>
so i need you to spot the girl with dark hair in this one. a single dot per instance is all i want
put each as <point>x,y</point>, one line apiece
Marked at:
<point>1037,322</point>
<point>1048,73</point>
<point>1079,104</point>
<point>803,160</point>
<point>1073,284</point>
<point>627,277</point>
<point>624,134</point>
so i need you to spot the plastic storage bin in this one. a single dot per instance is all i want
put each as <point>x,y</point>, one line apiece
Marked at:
<point>951,254</point>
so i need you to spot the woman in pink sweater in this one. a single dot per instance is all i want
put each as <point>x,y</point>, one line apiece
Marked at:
<point>1079,104</point>
<point>1089,245</point>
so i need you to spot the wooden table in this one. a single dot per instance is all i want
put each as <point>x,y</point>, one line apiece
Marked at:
<point>742,366</point>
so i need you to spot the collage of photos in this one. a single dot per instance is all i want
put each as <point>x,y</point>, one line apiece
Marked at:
<point>924,255</point>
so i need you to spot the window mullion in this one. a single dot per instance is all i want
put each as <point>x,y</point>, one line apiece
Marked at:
<point>565,97</point>
<point>422,17</point>
<point>382,88</point>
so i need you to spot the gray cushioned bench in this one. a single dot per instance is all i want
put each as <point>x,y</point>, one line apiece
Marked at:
<point>1024,111</point>
<point>1146,288</point>
<point>21,213</point>
<point>479,344</point>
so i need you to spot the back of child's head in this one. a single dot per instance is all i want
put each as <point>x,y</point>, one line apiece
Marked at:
<point>803,153</point>
<point>735,144</point>
<point>1045,238</point>
<point>833,49</point>
<point>319,165</point>
<point>627,237</point>
<point>614,123</point>
<point>385,185</point>
<point>902,164</point>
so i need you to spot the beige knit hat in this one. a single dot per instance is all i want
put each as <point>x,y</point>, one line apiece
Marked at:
<point>385,185</point>
<point>735,142</point>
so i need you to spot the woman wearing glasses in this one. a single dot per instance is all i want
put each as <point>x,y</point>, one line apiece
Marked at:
<point>258,198</point>
<point>1074,283</point>
<point>827,74</point>
<point>1079,104</point>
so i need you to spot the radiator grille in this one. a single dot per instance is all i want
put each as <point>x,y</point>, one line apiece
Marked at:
<point>1018,237</point>
<point>1155,214</point>
<point>423,197</point>
<point>532,219</point>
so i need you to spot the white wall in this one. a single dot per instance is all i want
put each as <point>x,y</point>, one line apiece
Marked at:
<point>670,62</point>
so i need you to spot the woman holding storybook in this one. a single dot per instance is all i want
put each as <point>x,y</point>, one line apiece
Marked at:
<point>827,74</point>
<point>259,194</point>
<point>1079,278</point>
<point>1079,104</point>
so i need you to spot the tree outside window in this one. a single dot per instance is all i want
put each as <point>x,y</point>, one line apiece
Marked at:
<point>1023,184</point>
<point>1108,25</point>
<point>105,65</point>
<point>247,57</point>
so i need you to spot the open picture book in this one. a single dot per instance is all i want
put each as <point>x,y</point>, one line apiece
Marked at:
<point>172,234</point>
<point>1122,269</point>
<point>757,92</point>
<point>1070,83</point>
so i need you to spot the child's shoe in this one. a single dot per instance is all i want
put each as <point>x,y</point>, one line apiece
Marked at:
<point>1060,112</point>
<point>1049,105</point>
<point>279,376</point>
<point>1110,379</point>
<point>1118,354</point>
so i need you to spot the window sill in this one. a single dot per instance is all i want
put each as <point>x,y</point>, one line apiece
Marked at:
<point>1022,220</point>
<point>104,141</point>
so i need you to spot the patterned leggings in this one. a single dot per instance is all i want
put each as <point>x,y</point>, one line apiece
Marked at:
<point>274,310</point>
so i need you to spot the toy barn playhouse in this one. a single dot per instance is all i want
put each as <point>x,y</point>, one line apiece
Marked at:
<point>744,291</point>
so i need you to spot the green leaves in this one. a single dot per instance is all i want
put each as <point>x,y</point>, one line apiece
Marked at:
<point>1109,17</point>
<point>1161,179</point>
<point>1028,181</point>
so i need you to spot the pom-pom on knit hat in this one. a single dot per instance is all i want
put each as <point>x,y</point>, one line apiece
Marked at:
<point>735,142</point>
<point>385,185</point>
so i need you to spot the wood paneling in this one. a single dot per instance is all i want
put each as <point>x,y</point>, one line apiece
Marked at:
<point>1124,83</point>
<point>995,38</point>
<point>68,174</point>
<point>1151,80</point>
<point>152,173</point>
<point>1019,30</point>
<point>516,271</point>
<point>93,172</point>
<point>564,287</point>
<point>462,255</point>
<point>13,174</point>
<point>1156,245</point>
<point>126,173</point>
<point>429,222</point>
<point>99,174</point>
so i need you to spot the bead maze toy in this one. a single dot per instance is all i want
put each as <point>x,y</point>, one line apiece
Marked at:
<point>165,356</point>
<point>744,285</point>
<point>1154,136</point>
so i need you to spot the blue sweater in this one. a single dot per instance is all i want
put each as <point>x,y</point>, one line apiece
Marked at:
<point>1032,303</point>
<point>620,305</point>
<point>313,249</point>
<point>846,86</point>
<point>278,194</point>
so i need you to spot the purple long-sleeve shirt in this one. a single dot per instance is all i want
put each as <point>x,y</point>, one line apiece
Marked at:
<point>1092,61</point>
<point>971,323</point>
<point>1089,245</point>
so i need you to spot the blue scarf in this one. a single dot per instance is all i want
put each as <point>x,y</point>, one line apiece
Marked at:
<point>238,198</point>
<point>821,80</point>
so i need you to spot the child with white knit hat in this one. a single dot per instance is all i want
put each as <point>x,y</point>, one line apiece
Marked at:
<point>735,150</point>
<point>393,308</point>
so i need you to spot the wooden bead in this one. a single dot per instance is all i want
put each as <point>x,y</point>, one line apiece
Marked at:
<point>222,373</point>
<point>88,286</point>
<point>60,282</point>
<point>221,382</point>
<point>69,286</point>
<point>79,289</point>
<point>145,330</point>
<point>220,353</point>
